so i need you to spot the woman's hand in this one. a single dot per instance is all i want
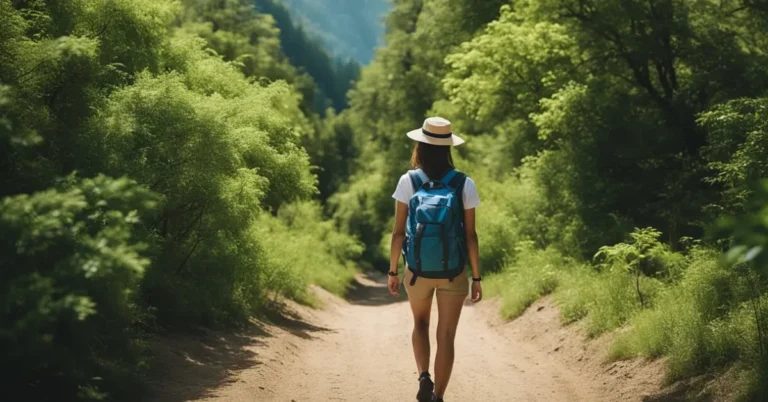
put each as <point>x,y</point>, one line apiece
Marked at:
<point>477,292</point>
<point>394,285</point>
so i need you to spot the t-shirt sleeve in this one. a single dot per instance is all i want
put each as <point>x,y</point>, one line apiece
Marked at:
<point>404,190</point>
<point>471,198</point>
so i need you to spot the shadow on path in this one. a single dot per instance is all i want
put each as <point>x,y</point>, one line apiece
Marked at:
<point>294,324</point>
<point>189,367</point>
<point>690,390</point>
<point>192,366</point>
<point>370,289</point>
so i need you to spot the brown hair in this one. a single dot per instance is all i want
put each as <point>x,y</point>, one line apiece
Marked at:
<point>434,160</point>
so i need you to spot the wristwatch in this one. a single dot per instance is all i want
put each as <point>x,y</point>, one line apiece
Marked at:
<point>478,279</point>
<point>390,273</point>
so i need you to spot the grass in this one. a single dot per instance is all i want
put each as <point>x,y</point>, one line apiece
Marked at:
<point>606,300</point>
<point>703,319</point>
<point>524,280</point>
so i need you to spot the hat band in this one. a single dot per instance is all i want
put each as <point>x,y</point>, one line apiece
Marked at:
<point>433,135</point>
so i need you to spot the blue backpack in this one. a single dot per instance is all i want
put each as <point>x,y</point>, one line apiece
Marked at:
<point>435,246</point>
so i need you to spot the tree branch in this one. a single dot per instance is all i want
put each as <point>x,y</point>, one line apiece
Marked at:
<point>186,259</point>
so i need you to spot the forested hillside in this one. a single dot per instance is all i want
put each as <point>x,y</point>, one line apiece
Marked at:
<point>351,29</point>
<point>617,147</point>
<point>333,75</point>
<point>155,170</point>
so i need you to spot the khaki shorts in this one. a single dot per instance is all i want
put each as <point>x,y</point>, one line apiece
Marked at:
<point>424,288</point>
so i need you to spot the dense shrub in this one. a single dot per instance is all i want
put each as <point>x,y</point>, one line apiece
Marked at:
<point>328,257</point>
<point>684,321</point>
<point>196,109</point>
<point>72,258</point>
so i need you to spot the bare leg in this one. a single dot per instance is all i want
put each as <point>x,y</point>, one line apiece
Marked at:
<point>449,311</point>
<point>421,309</point>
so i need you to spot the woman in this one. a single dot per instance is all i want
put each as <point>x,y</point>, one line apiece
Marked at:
<point>432,158</point>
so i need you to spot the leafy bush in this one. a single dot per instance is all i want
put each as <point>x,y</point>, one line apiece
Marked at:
<point>185,99</point>
<point>72,258</point>
<point>220,152</point>
<point>625,279</point>
<point>736,151</point>
<point>683,322</point>
<point>606,300</point>
<point>747,231</point>
<point>642,256</point>
<point>363,209</point>
<point>327,258</point>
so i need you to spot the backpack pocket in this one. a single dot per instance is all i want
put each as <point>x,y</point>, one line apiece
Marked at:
<point>431,254</point>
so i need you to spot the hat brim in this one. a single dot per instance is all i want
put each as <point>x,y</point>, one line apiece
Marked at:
<point>418,135</point>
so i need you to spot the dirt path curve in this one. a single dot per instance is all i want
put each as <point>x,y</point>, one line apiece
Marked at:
<point>359,350</point>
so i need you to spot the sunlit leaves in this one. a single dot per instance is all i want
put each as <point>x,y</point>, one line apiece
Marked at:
<point>503,72</point>
<point>111,86</point>
<point>71,258</point>
<point>738,147</point>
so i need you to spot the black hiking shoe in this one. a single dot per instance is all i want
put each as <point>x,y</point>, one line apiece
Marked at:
<point>426,386</point>
<point>436,398</point>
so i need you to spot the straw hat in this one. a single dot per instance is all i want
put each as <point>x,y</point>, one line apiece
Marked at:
<point>436,131</point>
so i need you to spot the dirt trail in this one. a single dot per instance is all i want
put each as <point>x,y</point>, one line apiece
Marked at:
<point>359,350</point>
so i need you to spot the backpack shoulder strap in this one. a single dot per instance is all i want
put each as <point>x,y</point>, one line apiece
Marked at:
<point>457,182</point>
<point>416,179</point>
<point>448,178</point>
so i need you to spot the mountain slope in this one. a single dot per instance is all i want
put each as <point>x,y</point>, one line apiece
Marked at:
<point>348,28</point>
<point>331,76</point>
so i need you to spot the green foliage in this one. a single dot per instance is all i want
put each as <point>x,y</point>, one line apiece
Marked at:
<point>503,73</point>
<point>610,300</point>
<point>357,208</point>
<point>642,256</point>
<point>197,110</point>
<point>332,76</point>
<point>327,259</point>
<point>235,31</point>
<point>687,322</point>
<point>587,119</point>
<point>261,39</point>
<point>60,62</point>
<point>737,148</point>
<point>217,159</point>
<point>747,252</point>
<point>333,150</point>
<point>72,259</point>
<point>532,274</point>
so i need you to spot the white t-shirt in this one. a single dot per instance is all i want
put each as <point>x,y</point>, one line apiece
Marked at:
<point>404,192</point>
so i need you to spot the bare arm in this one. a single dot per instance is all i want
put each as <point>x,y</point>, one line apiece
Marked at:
<point>398,235</point>
<point>473,244</point>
